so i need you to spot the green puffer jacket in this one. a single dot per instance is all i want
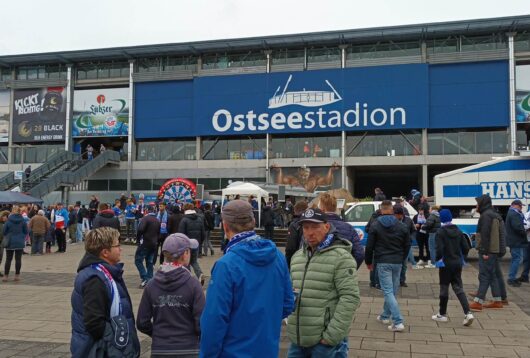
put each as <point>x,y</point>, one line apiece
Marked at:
<point>328,294</point>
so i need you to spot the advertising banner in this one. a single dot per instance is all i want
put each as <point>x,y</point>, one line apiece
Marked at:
<point>101,113</point>
<point>309,178</point>
<point>4,115</point>
<point>522,93</point>
<point>39,115</point>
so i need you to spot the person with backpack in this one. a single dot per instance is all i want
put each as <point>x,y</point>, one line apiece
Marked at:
<point>451,248</point>
<point>101,305</point>
<point>491,245</point>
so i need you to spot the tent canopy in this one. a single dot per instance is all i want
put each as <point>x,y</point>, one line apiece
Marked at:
<point>243,188</point>
<point>13,197</point>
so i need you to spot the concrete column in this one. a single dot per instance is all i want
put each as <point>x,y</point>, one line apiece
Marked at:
<point>198,148</point>
<point>513,123</point>
<point>343,159</point>
<point>269,60</point>
<point>423,51</point>
<point>424,142</point>
<point>343,55</point>
<point>424,180</point>
<point>130,134</point>
<point>10,151</point>
<point>69,94</point>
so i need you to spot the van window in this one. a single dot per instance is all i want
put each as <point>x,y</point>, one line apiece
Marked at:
<point>362,212</point>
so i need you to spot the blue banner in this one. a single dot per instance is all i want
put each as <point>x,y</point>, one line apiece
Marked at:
<point>397,97</point>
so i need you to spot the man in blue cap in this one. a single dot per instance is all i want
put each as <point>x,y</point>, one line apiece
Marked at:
<point>515,239</point>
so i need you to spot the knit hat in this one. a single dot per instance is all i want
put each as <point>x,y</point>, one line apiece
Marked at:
<point>445,216</point>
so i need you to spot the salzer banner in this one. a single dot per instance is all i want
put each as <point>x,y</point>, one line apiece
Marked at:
<point>101,113</point>
<point>395,97</point>
<point>39,115</point>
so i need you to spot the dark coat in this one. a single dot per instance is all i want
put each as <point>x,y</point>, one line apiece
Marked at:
<point>15,229</point>
<point>192,226</point>
<point>489,241</point>
<point>209,222</point>
<point>148,232</point>
<point>433,223</point>
<point>106,218</point>
<point>515,231</point>
<point>451,245</point>
<point>388,241</point>
<point>173,222</point>
<point>294,239</point>
<point>267,216</point>
<point>348,232</point>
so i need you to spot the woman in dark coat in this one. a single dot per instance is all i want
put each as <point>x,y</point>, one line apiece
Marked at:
<point>15,231</point>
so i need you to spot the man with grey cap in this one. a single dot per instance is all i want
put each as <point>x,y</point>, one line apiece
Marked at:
<point>249,284</point>
<point>172,302</point>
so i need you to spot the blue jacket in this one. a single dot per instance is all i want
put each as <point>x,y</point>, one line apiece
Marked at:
<point>348,232</point>
<point>249,294</point>
<point>16,230</point>
<point>81,340</point>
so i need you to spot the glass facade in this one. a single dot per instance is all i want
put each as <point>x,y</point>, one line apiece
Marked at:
<point>228,60</point>
<point>443,45</point>
<point>4,150</point>
<point>285,56</point>
<point>522,42</point>
<point>34,153</point>
<point>384,49</point>
<point>234,148</point>
<point>305,147</point>
<point>468,142</point>
<point>167,63</point>
<point>166,150</point>
<point>41,72</point>
<point>324,54</point>
<point>5,74</point>
<point>383,144</point>
<point>102,70</point>
<point>484,43</point>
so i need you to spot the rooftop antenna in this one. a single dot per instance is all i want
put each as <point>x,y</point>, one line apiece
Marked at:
<point>285,88</point>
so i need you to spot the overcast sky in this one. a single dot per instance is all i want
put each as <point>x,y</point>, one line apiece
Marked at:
<point>30,26</point>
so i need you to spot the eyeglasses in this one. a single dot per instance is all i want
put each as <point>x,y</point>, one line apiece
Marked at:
<point>118,245</point>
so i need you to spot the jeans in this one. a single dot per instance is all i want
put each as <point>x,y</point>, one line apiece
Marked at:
<point>194,263</point>
<point>319,351</point>
<point>517,257</point>
<point>432,247</point>
<point>36,244</point>
<point>452,275</point>
<point>269,232</point>
<point>207,245</point>
<point>217,219</point>
<point>130,231</point>
<point>389,280</point>
<point>487,276</point>
<point>500,280</point>
<point>86,225</point>
<point>148,255</point>
<point>79,233</point>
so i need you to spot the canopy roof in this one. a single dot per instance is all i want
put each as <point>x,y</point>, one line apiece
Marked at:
<point>13,197</point>
<point>243,188</point>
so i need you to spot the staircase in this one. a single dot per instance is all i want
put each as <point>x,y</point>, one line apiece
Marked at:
<point>69,172</point>
<point>8,181</point>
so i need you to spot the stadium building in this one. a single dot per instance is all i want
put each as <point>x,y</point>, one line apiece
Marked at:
<point>388,107</point>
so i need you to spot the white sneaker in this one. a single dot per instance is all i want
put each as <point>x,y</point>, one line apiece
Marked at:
<point>421,263</point>
<point>417,267</point>
<point>429,265</point>
<point>143,284</point>
<point>383,321</point>
<point>439,318</point>
<point>468,320</point>
<point>397,327</point>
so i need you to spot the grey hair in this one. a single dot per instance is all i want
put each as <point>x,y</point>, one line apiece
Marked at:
<point>40,212</point>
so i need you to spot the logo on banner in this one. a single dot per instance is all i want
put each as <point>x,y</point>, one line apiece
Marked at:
<point>359,116</point>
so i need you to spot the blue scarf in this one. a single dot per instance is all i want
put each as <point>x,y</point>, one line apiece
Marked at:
<point>238,239</point>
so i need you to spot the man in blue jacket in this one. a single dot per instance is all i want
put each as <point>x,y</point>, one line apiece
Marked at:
<point>249,292</point>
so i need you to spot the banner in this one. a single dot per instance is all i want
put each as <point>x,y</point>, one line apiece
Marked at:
<point>101,113</point>
<point>39,115</point>
<point>522,94</point>
<point>310,178</point>
<point>4,116</point>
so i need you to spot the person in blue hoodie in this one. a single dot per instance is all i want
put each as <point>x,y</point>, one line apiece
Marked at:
<point>388,246</point>
<point>249,284</point>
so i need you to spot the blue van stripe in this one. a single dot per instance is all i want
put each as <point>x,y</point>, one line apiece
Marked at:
<point>462,191</point>
<point>523,164</point>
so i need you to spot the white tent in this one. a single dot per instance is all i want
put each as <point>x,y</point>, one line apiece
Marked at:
<point>246,189</point>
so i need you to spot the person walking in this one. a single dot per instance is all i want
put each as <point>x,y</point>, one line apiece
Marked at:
<point>93,207</point>
<point>162,217</point>
<point>431,226</point>
<point>388,246</point>
<point>27,172</point>
<point>15,231</point>
<point>491,245</point>
<point>422,238</point>
<point>516,240</point>
<point>192,226</point>
<point>3,218</point>
<point>267,221</point>
<point>106,218</point>
<point>100,294</point>
<point>451,249</point>
<point>174,220</point>
<point>82,221</point>
<point>90,152</point>
<point>328,204</point>
<point>399,213</point>
<point>249,284</point>
<point>72,222</point>
<point>320,324</point>
<point>38,226</point>
<point>209,225</point>
<point>147,241</point>
<point>172,303</point>
<point>130,220</point>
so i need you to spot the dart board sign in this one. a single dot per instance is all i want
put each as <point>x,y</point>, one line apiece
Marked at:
<point>177,190</point>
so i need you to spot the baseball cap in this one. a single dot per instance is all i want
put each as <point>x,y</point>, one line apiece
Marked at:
<point>517,202</point>
<point>237,212</point>
<point>177,244</point>
<point>314,215</point>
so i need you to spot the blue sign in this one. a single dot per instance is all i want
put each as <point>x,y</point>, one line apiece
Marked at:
<point>398,97</point>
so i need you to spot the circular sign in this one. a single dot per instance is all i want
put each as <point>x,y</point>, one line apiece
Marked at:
<point>177,190</point>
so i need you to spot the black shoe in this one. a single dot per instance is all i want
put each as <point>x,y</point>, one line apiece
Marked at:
<point>514,283</point>
<point>523,279</point>
<point>403,284</point>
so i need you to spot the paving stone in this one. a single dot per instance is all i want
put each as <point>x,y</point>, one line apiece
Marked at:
<point>383,354</point>
<point>437,348</point>
<point>488,350</point>
<point>378,345</point>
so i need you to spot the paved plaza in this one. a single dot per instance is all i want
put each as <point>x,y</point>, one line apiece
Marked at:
<point>35,315</point>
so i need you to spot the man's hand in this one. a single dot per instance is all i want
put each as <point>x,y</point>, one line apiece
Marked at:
<point>324,342</point>
<point>485,257</point>
<point>370,267</point>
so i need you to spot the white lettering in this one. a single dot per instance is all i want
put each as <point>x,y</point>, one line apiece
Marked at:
<point>228,120</point>
<point>250,117</point>
<point>239,124</point>
<point>488,189</point>
<point>263,123</point>
<point>320,113</point>
<point>309,118</point>
<point>373,119</point>
<point>278,121</point>
<point>334,122</point>
<point>403,115</point>
<point>516,190</point>
<point>502,191</point>
<point>294,121</point>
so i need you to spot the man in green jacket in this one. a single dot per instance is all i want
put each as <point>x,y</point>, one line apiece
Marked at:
<point>324,276</point>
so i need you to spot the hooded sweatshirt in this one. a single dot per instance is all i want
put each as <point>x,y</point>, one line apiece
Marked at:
<point>451,245</point>
<point>491,237</point>
<point>388,241</point>
<point>249,284</point>
<point>106,218</point>
<point>174,301</point>
<point>16,230</point>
